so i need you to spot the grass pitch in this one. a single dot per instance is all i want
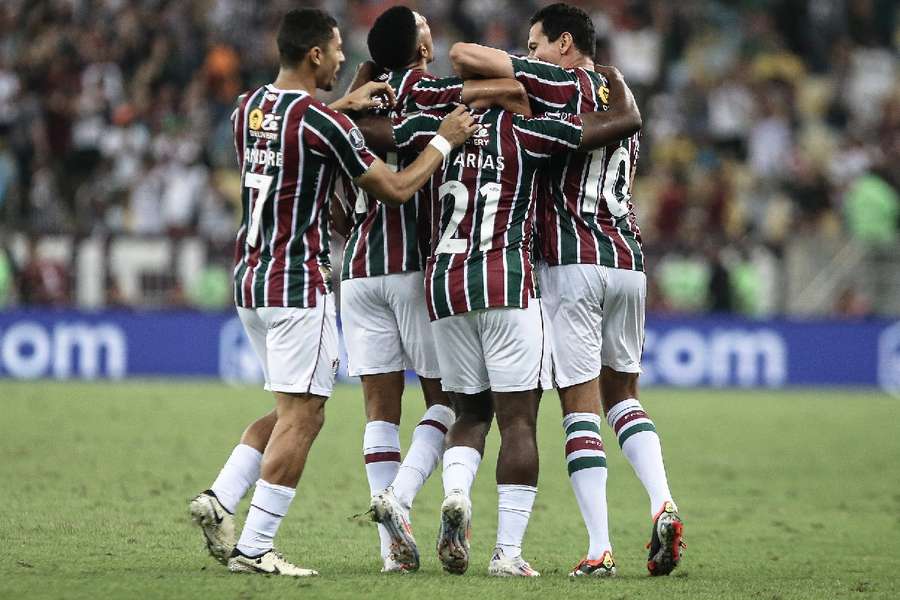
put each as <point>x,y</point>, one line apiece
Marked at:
<point>784,495</point>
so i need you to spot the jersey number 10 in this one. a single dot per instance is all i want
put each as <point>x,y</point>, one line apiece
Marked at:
<point>615,184</point>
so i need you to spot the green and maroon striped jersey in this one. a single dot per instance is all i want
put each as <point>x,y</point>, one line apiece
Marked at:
<point>585,199</point>
<point>289,147</point>
<point>383,239</point>
<point>482,206</point>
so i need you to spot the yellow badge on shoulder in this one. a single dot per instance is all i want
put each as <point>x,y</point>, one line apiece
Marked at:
<point>603,94</point>
<point>255,119</point>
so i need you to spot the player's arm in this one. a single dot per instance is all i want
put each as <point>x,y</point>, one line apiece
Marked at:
<point>622,120</point>
<point>480,94</point>
<point>508,94</point>
<point>366,71</point>
<point>395,188</point>
<point>340,220</point>
<point>379,133</point>
<point>474,60</point>
<point>477,94</point>
<point>368,95</point>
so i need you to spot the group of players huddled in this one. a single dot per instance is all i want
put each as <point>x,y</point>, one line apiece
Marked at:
<point>491,247</point>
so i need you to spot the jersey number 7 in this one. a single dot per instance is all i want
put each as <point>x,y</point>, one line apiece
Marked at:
<point>260,183</point>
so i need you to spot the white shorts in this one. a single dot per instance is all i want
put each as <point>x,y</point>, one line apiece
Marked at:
<point>502,349</point>
<point>298,347</point>
<point>596,318</point>
<point>386,325</point>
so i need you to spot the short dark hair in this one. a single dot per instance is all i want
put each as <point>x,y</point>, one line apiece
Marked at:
<point>300,31</point>
<point>393,38</point>
<point>556,19</point>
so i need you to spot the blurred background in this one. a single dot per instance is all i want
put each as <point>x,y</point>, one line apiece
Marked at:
<point>767,186</point>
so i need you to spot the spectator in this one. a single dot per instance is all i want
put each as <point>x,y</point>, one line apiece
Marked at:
<point>871,210</point>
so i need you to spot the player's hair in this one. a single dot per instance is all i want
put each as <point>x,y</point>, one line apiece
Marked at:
<point>556,19</point>
<point>393,38</point>
<point>300,31</point>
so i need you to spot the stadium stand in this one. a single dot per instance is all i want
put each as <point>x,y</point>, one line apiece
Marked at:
<point>767,184</point>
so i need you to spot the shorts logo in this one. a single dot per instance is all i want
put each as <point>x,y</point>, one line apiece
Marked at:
<point>357,139</point>
<point>335,365</point>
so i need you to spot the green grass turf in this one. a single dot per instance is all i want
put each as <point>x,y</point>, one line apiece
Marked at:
<point>784,494</point>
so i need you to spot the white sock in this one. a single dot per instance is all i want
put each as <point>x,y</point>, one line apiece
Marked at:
<point>423,454</point>
<point>586,461</point>
<point>640,444</point>
<point>241,470</point>
<point>381,450</point>
<point>268,507</point>
<point>514,510</point>
<point>460,467</point>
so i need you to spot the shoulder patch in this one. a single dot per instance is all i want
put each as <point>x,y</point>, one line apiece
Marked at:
<point>356,139</point>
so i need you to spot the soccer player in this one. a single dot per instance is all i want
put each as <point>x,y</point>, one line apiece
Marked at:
<point>290,147</point>
<point>594,287</point>
<point>486,311</point>
<point>385,322</point>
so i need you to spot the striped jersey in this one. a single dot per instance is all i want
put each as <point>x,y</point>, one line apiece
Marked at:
<point>482,206</point>
<point>385,239</point>
<point>289,147</point>
<point>585,199</point>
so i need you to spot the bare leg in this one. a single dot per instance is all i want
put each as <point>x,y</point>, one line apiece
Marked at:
<point>517,420</point>
<point>517,475</point>
<point>434,394</point>
<point>258,432</point>
<point>474,413</point>
<point>299,419</point>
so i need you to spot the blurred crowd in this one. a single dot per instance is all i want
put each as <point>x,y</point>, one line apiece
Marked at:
<point>765,122</point>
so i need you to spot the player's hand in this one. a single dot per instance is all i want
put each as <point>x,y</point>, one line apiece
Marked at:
<point>374,94</point>
<point>368,71</point>
<point>458,126</point>
<point>612,76</point>
<point>611,73</point>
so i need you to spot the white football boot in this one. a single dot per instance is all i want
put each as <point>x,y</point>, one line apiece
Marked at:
<point>388,511</point>
<point>392,566</point>
<point>270,563</point>
<point>504,566</point>
<point>216,523</point>
<point>455,532</point>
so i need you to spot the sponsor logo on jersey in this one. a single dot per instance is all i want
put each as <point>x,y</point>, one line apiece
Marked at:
<point>482,137</point>
<point>265,126</point>
<point>357,139</point>
<point>255,119</point>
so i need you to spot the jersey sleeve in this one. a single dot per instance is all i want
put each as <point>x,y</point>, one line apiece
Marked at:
<point>413,132</point>
<point>429,94</point>
<point>552,87</point>
<point>341,139</point>
<point>548,134</point>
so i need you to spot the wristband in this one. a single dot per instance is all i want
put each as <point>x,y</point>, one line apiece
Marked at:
<point>441,144</point>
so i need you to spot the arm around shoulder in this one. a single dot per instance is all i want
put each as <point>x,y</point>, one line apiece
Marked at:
<point>474,60</point>
<point>622,120</point>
